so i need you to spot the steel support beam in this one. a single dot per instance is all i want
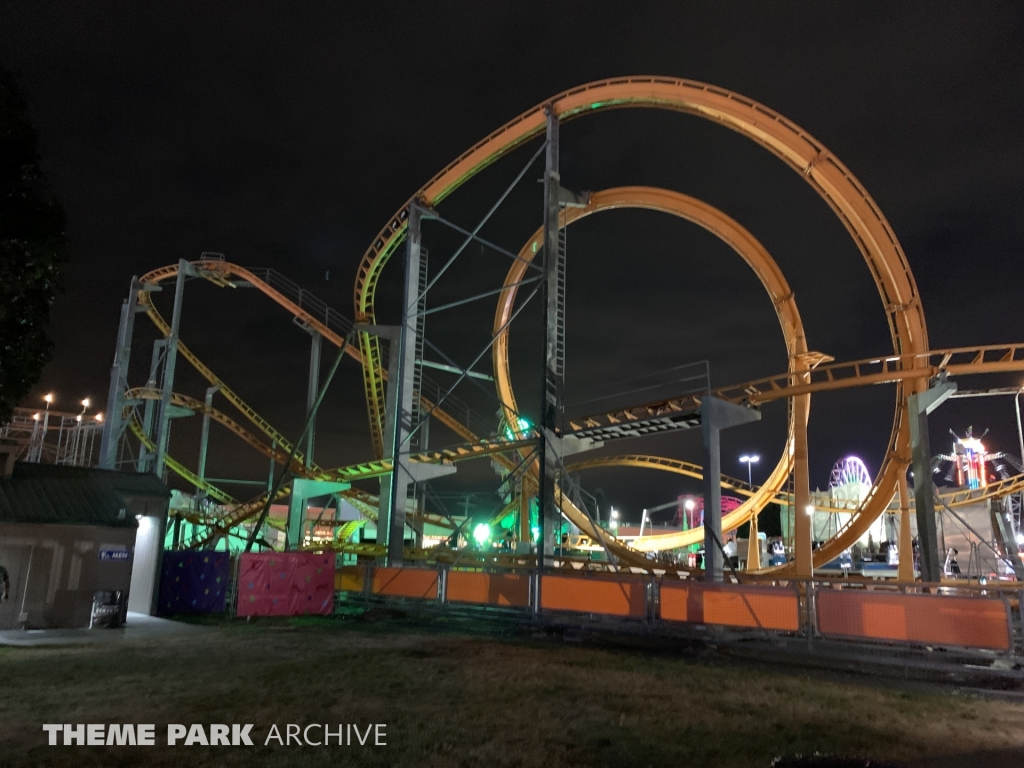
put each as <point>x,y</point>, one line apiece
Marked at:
<point>717,415</point>
<point>393,503</point>
<point>392,334</point>
<point>163,426</point>
<point>905,570</point>
<point>1006,534</point>
<point>143,463</point>
<point>302,491</point>
<point>920,405</point>
<point>113,424</point>
<point>204,435</point>
<point>803,513</point>
<point>314,387</point>
<point>270,470</point>
<point>753,546</point>
<point>552,385</point>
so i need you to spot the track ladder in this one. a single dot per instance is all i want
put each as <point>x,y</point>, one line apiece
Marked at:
<point>418,442</point>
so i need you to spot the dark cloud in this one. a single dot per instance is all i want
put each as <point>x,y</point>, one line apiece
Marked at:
<point>286,135</point>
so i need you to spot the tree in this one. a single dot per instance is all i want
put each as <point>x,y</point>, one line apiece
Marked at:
<point>32,253</point>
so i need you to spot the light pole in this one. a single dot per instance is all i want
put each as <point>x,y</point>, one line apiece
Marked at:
<point>46,424</point>
<point>79,443</point>
<point>748,460</point>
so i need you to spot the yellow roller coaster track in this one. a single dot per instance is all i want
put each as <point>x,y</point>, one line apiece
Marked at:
<point>808,157</point>
<point>827,176</point>
<point>220,273</point>
<point>178,468</point>
<point>279,455</point>
<point>956,498</point>
<point>798,149</point>
<point>911,364</point>
<point>451,455</point>
<point>768,272</point>
<point>363,501</point>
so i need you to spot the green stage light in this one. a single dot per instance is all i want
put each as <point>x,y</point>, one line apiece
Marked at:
<point>482,533</point>
<point>522,425</point>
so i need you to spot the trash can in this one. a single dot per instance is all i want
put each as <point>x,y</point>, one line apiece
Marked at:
<point>109,609</point>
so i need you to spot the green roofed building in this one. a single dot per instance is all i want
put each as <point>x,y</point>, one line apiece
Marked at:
<point>68,532</point>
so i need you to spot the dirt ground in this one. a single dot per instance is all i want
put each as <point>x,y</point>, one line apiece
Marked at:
<point>452,695</point>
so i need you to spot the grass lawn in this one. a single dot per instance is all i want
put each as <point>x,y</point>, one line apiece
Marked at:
<point>452,697</point>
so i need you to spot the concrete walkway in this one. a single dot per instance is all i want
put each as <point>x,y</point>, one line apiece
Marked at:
<point>137,627</point>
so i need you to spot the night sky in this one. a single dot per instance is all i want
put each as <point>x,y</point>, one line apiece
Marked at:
<point>286,135</point>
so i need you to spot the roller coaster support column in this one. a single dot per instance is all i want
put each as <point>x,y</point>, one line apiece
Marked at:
<point>551,391</point>
<point>525,534</point>
<point>144,462</point>
<point>905,571</point>
<point>314,387</point>
<point>920,405</point>
<point>204,435</point>
<point>803,514</point>
<point>163,425</point>
<point>753,546</point>
<point>113,424</point>
<point>716,415</point>
<point>398,419</point>
<point>302,491</point>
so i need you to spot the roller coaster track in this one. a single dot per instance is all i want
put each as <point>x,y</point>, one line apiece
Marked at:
<point>910,365</point>
<point>798,149</point>
<point>680,409</point>
<point>198,406</point>
<point>963,497</point>
<point>301,305</point>
<point>827,176</point>
<point>178,468</point>
<point>958,361</point>
<point>316,315</point>
<point>365,502</point>
<point>664,464</point>
<point>954,498</point>
<point>451,455</point>
<point>995,358</point>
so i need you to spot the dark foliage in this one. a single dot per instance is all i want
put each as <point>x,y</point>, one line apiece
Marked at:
<point>32,243</point>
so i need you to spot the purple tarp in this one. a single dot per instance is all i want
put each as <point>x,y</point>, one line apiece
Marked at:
<point>193,582</point>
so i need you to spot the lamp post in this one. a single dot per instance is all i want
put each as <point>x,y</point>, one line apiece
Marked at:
<point>48,398</point>
<point>79,444</point>
<point>749,460</point>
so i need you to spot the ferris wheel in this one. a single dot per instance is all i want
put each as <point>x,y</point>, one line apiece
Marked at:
<point>849,471</point>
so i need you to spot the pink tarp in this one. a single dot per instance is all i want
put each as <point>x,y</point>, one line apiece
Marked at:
<point>285,584</point>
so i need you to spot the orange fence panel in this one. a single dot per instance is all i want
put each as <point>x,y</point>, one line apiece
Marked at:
<point>350,578</point>
<point>614,596</point>
<point>405,582</point>
<point>731,605</point>
<point>509,589</point>
<point>973,622</point>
